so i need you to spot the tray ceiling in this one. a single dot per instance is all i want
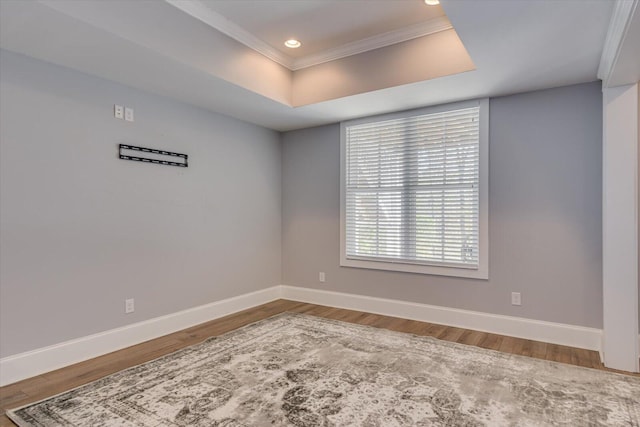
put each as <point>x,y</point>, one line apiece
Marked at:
<point>513,46</point>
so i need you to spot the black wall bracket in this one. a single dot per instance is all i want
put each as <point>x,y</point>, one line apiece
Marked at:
<point>124,153</point>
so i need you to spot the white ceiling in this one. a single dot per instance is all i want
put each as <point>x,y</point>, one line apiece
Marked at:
<point>321,25</point>
<point>516,46</point>
<point>328,29</point>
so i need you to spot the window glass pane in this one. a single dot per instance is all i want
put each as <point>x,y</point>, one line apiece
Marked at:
<point>412,189</point>
<point>374,228</point>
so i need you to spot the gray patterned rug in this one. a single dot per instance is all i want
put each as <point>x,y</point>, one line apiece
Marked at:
<point>298,370</point>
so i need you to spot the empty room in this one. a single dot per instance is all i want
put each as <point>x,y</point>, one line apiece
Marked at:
<point>319,213</point>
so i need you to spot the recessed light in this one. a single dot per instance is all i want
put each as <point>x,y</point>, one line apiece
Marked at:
<point>432,2</point>
<point>293,43</point>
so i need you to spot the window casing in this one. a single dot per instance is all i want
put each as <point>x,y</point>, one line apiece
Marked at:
<point>414,191</point>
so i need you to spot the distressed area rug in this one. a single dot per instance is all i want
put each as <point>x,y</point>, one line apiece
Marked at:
<point>298,370</point>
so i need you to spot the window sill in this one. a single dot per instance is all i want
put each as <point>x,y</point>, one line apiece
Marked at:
<point>480,273</point>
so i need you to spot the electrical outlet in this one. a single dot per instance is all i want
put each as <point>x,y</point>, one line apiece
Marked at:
<point>129,306</point>
<point>516,298</point>
<point>128,114</point>
<point>118,111</point>
<point>321,276</point>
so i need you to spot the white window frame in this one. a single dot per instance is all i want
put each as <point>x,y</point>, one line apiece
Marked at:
<point>482,270</point>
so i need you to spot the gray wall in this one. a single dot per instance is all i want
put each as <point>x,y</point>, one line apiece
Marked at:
<point>545,214</point>
<point>82,230</point>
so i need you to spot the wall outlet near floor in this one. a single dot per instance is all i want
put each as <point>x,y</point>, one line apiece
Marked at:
<point>129,306</point>
<point>321,276</point>
<point>516,299</point>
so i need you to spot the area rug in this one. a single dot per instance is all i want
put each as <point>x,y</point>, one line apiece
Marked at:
<point>299,370</point>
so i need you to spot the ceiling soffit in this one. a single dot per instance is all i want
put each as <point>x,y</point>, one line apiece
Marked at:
<point>200,11</point>
<point>417,60</point>
<point>516,47</point>
<point>620,62</point>
<point>200,46</point>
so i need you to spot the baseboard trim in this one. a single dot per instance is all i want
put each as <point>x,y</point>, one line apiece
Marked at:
<point>28,364</point>
<point>555,333</point>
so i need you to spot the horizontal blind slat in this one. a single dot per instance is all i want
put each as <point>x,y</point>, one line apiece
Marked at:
<point>412,188</point>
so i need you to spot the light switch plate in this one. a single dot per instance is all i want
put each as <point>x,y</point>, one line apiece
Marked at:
<point>118,111</point>
<point>128,114</point>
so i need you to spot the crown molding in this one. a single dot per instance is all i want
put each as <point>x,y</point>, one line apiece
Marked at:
<point>623,11</point>
<point>200,11</point>
<point>410,32</point>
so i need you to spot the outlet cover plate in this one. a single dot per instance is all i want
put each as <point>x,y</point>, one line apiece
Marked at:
<point>516,298</point>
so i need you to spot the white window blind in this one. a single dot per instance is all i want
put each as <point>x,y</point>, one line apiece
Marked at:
<point>412,189</point>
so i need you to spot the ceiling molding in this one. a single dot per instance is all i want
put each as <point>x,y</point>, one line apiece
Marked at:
<point>623,11</point>
<point>375,42</point>
<point>200,11</point>
<point>516,57</point>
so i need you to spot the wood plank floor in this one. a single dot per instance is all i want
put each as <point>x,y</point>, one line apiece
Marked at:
<point>58,381</point>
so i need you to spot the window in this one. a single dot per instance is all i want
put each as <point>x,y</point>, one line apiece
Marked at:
<point>414,189</point>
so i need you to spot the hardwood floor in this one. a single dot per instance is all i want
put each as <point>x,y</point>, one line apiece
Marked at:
<point>51,383</point>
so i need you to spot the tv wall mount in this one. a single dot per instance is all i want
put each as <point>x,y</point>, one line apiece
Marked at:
<point>151,155</point>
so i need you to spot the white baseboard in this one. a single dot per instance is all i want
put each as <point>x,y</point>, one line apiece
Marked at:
<point>25,365</point>
<point>555,333</point>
